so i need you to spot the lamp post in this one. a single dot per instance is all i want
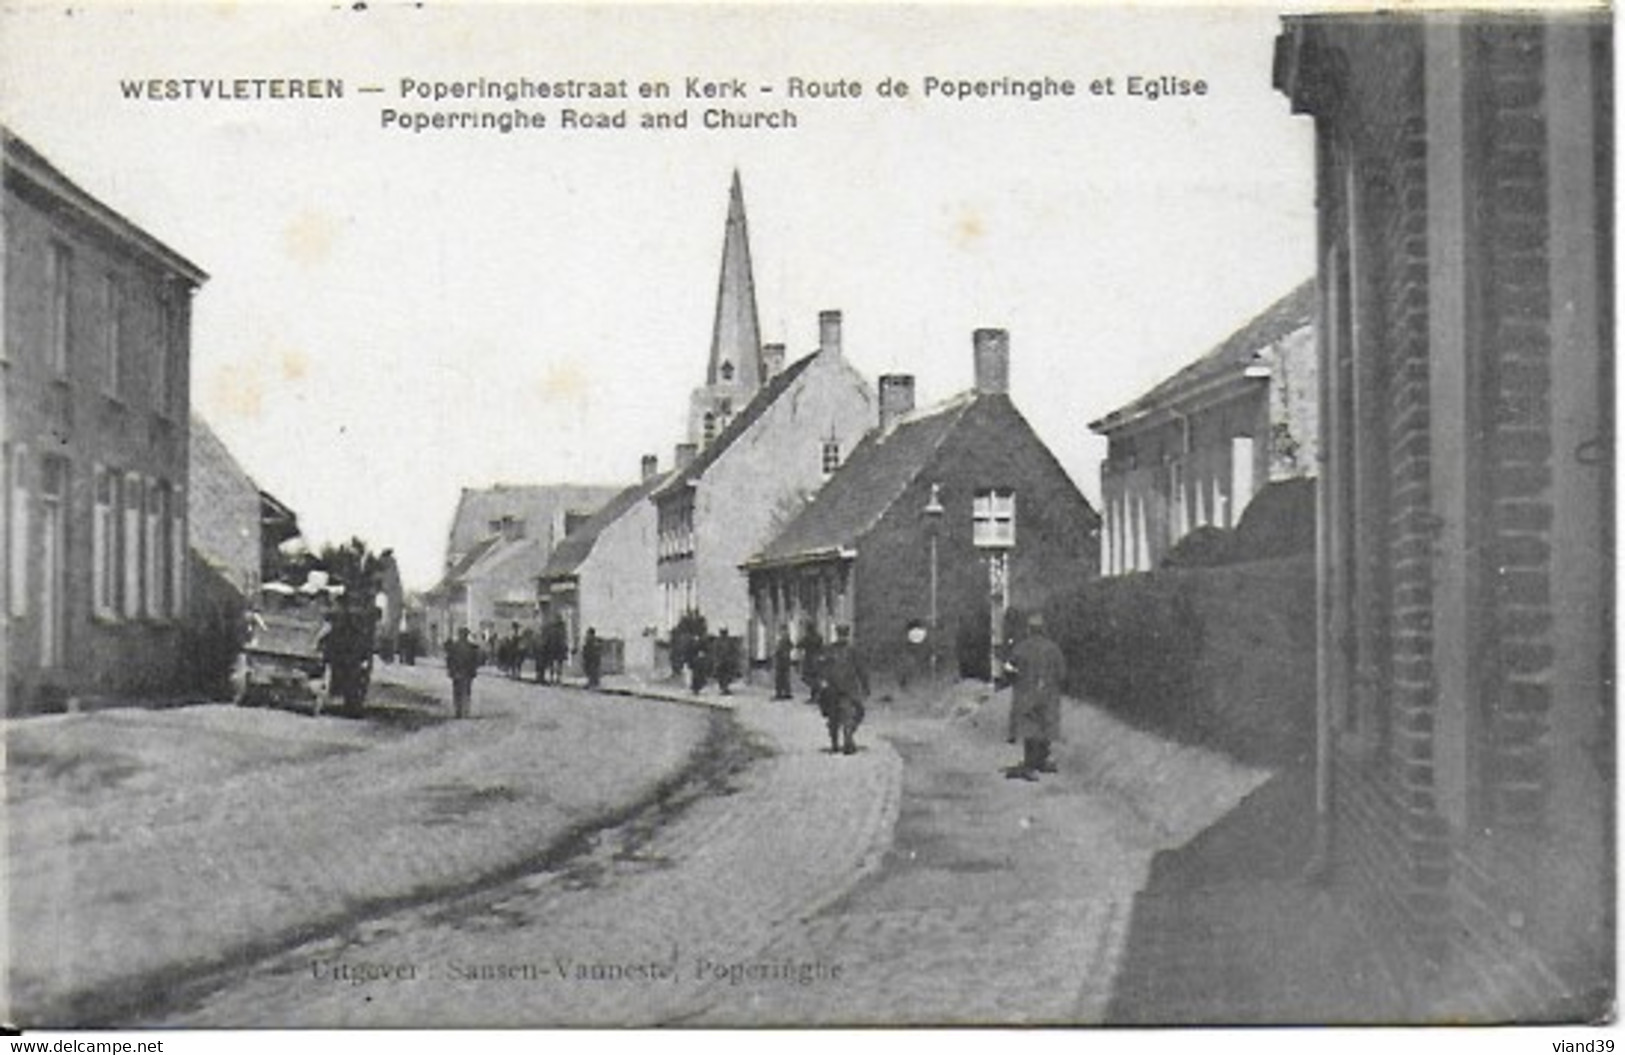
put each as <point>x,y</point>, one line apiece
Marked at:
<point>933,527</point>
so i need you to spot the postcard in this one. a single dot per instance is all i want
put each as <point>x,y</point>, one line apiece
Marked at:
<point>824,515</point>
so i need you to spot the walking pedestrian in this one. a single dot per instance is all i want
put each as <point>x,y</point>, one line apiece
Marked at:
<point>462,663</point>
<point>812,649</point>
<point>592,657</point>
<point>783,654</point>
<point>1037,668</point>
<point>699,663</point>
<point>844,685</point>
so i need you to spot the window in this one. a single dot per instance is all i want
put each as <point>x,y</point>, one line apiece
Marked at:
<point>53,536</point>
<point>112,336</point>
<point>710,427</point>
<point>177,552</point>
<point>831,456</point>
<point>163,387</point>
<point>994,518</point>
<point>1178,522</point>
<point>727,371</point>
<point>17,544</point>
<point>104,545</point>
<point>1241,475</point>
<point>134,503</point>
<point>155,566</point>
<point>58,280</point>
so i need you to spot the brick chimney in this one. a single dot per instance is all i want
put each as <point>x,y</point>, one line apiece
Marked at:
<point>649,467</point>
<point>896,397</point>
<point>992,362</point>
<point>829,333</point>
<point>772,360</point>
<point>685,453</point>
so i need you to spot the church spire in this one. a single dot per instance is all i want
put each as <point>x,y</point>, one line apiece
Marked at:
<point>736,339</point>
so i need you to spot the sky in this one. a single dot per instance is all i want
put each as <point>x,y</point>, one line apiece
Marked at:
<point>392,317</point>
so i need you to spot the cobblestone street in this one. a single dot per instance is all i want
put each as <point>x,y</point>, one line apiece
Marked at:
<point>148,848</point>
<point>908,884</point>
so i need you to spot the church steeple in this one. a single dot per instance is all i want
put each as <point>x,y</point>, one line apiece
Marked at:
<point>736,369</point>
<point>736,340</point>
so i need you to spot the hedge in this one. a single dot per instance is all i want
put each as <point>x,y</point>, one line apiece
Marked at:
<point>1222,657</point>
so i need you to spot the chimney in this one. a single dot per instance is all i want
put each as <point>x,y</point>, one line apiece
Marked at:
<point>896,397</point>
<point>992,362</point>
<point>685,454</point>
<point>649,467</point>
<point>772,360</point>
<point>829,332</point>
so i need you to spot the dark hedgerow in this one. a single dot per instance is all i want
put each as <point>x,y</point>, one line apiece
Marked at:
<point>1222,657</point>
<point>1131,644</point>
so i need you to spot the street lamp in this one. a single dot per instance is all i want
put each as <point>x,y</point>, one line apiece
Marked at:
<point>933,527</point>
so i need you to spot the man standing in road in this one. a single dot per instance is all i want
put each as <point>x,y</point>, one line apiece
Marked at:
<point>462,663</point>
<point>592,658</point>
<point>726,661</point>
<point>845,686</point>
<point>699,663</point>
<point>783,655</point>
<point>1037,668</point>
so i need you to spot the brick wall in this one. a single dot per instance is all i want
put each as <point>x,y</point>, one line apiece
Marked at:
<point>1057,536</point>
<point>1517,309</point>
<point>1443,774</point>
<point>76,418</point>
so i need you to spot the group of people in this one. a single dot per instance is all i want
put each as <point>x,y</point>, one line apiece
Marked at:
<point>838,680</point>
<point>710,658</point>
<point>549,645</point>
<point>835,675</point>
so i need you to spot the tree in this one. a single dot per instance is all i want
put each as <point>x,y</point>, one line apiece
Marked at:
<point>354,566</point>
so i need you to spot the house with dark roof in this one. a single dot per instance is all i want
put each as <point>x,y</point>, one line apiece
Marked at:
<point>95,427</point>
<point>940,520</point>
<point>602,575</point>
<point>724,502</point>
<point>1194,450</point>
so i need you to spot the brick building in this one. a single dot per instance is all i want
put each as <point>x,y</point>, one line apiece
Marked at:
<point>602,575</point>
<point>95,369</point>
<point>1012,526</point>
<point>1466,708</point>
<point>1195,449</point>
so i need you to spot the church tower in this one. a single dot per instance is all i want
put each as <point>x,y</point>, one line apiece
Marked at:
<point>736,369</point>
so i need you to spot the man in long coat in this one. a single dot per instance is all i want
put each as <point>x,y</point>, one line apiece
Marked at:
<point>462,663</point>
<point>783,654</point>
<point>1037,668</point>
<point>700,660</point>
<point>844,686</point>
<point>592,658</point>
<point>725,661</point>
